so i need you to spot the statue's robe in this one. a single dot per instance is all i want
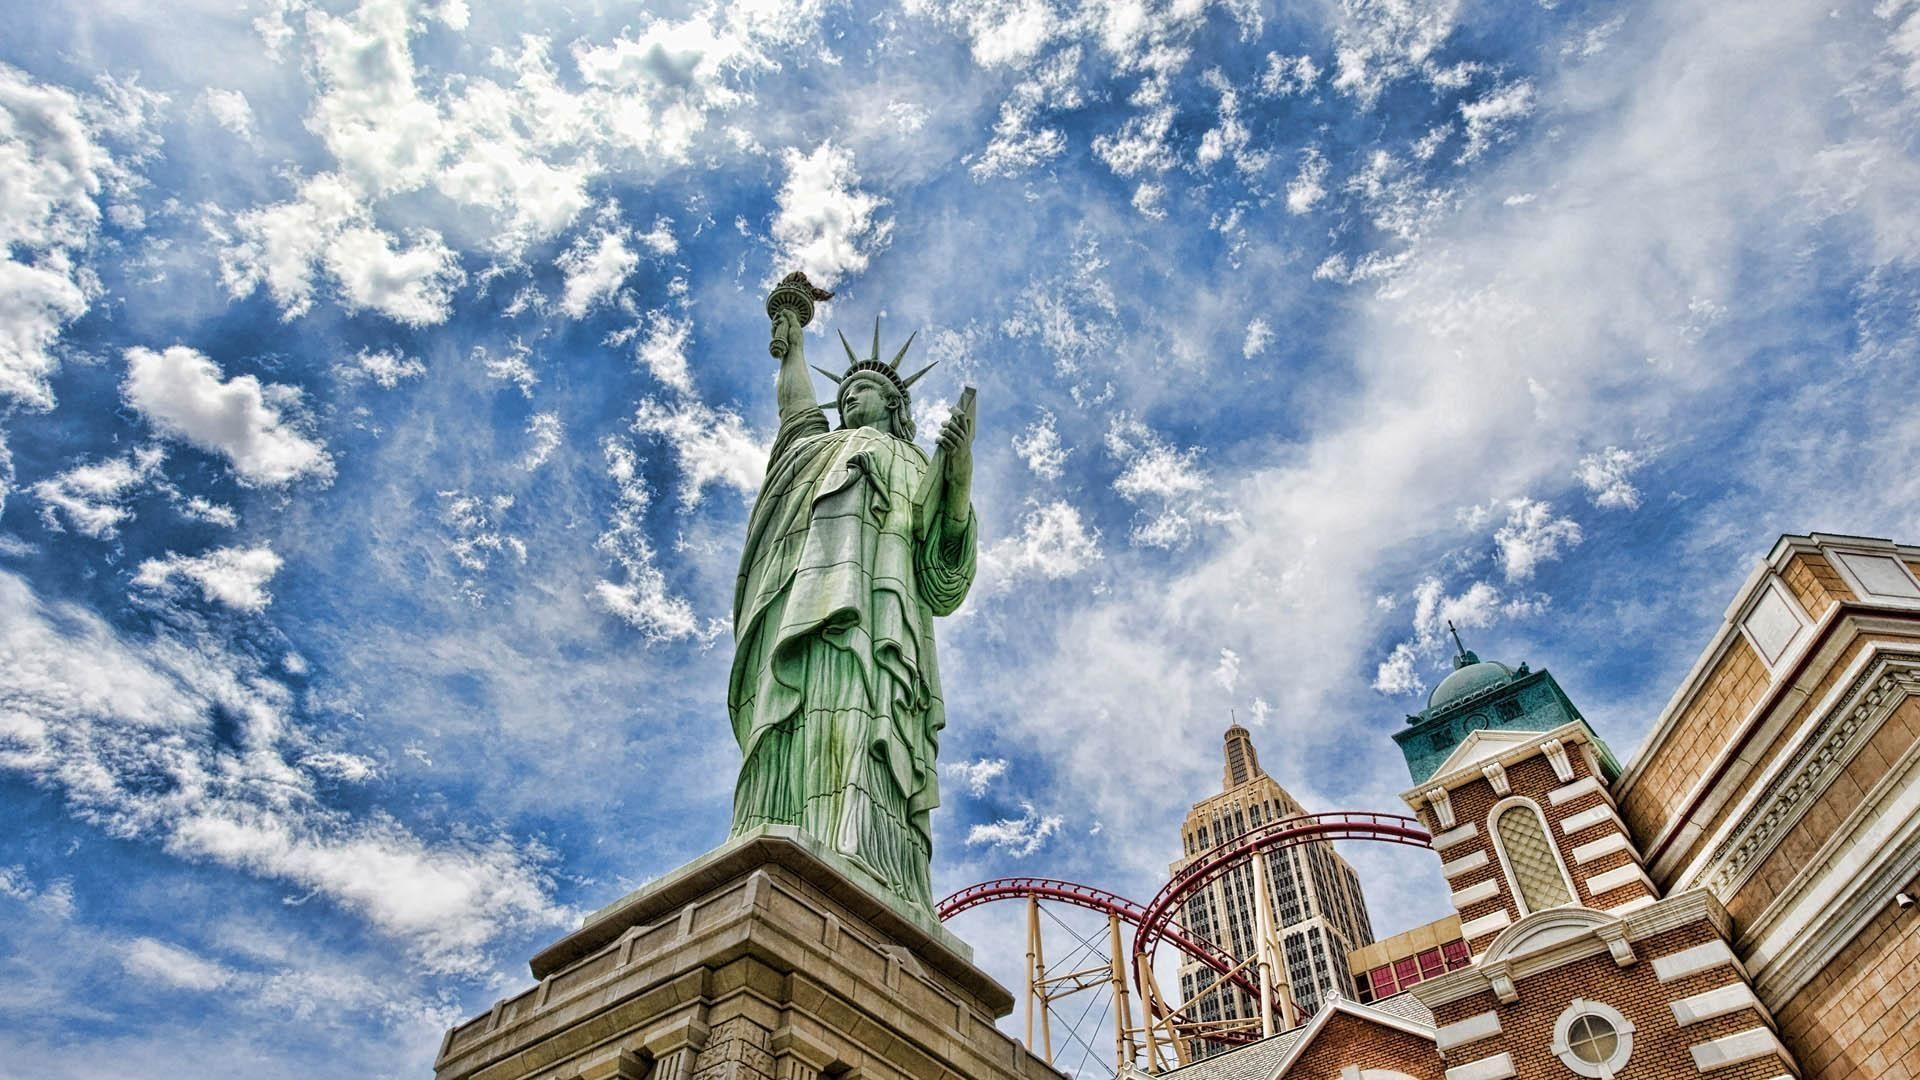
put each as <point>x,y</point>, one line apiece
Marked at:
<point>835,693</point>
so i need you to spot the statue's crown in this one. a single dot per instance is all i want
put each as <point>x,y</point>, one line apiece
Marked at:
<point>886,369</point>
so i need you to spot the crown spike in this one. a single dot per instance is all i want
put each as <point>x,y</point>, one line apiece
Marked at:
<point>902,354</point>
<point>847,345</point>
<point>876,338</point>
<point>836,378</point>
<point>915,377</point>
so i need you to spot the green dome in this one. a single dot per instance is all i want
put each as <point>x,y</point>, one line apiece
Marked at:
<point>1466,681</point>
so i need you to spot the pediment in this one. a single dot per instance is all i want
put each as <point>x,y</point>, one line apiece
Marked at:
<point>1543,930</point>
<point>1484,745</point>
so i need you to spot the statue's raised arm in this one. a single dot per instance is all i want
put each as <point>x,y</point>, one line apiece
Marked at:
<point>858,540</point>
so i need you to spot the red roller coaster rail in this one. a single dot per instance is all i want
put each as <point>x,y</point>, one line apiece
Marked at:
<point>1154,922</point>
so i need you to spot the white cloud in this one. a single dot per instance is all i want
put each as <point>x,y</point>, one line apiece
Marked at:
<point>329,226</point>
<point>1259,337</point>
<point>1607,476</point>
<point>1018,837</point>
<point>1144,143</point>
<point>1020,141</point>
<point>545,432</point>
<point>57,166</point>
<point>510,366</point>
<point>1230,138</point>
<point>976,776</point>
<point>711,446</point>
<point>824,224</point>
<point>234,576</point>
<point>1227,673</point>
<point>1396,674</point>
<point>664,350</point>
<point>229,109</point>
<point>186,744</point>
<point>1489,119</point>
<point>1532,536</point>
<point>1309,185</point>
<point>1381,41</point>
<point>1174,492</point>
<point>91,499</point>
<point>173,966</point>
<point>1075,316</point>
<point>1289,75</point>
<point>641,597</point>
<point>596,265</point>
<point>1039,446</point>
<point>477,531</point>
<point>181,393</point>
<point>386,367</point>
<point>340,765</point>
<point>1053,543</point>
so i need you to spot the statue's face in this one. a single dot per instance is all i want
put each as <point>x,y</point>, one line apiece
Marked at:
<point>865,403</point>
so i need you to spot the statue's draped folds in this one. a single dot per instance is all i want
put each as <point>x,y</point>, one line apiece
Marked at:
<point>835,691</point>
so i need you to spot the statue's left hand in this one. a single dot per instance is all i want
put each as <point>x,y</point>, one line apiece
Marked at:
<point>956,439</point>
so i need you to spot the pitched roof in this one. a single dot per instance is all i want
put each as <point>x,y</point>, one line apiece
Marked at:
<point>1265,1059</point>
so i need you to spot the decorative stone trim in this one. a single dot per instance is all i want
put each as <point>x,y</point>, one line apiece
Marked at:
<point>1456,837</point>
<point>1617,878</point>
<point>1703,957</point>
<point>1490,923</point>
<point>1587,819</point>
<point>1556,752</point>
<point>1785,799</point>
<point>1496,775</point>
<point>1631,906</point>
<point>1456,867</point>
<point>1606,845</point>
<point>1442,804</point>
<point>1716,1002</point>
<point>1584,786</point>
<point>1497,1067</point>
<point>1742,1046</point>
<point>1471,1029</point>
<point>1473,894</point>
<point>1616,938</point>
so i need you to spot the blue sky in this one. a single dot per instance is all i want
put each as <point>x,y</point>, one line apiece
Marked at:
<point>383,388</point>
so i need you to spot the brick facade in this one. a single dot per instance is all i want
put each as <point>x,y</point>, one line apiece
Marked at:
<point>1660,1046</point>
<point>1348,1042</point>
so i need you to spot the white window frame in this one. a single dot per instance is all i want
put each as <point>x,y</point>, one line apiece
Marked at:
<point>1506,864</point>
<point>1623,1034</point>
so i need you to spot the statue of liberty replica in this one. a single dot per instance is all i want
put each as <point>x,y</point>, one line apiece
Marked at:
<point>805,947</point>
<point>859,539</point>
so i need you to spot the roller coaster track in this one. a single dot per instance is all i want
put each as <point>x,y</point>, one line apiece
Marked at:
<point>1154,923</point>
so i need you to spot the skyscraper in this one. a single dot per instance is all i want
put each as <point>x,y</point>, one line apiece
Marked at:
<point>1318,913</point>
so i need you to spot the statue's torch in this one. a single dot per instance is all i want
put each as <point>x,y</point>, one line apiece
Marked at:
<point>797,294</point>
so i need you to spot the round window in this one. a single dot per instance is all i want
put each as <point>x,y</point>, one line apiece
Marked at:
<point>1592,1039</point>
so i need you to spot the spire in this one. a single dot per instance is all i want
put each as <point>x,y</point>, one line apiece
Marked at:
<point>1243,764</point>
<point>1464,656</point>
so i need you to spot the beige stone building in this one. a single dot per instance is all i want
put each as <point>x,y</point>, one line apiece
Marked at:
<point>1319,913</point>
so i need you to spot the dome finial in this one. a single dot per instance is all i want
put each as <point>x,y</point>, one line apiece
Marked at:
<point>1463,656</point>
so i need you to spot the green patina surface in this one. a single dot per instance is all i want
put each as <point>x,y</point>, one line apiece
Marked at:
<point>858,540</point>
<point>1487,696</point>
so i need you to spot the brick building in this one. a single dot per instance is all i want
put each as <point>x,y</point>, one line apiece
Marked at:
<point>1736,901</point>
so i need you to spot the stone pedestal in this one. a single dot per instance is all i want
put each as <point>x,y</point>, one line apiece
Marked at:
<point>765,959</point>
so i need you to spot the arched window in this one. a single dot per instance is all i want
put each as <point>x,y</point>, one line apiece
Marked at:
<point>1533,866</point>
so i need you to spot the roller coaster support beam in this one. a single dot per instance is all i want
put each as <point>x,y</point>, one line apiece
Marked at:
<point>1263,941</point>
<point>1123,1049</point>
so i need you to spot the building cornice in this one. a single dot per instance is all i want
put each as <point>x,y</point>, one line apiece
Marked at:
<point>1575,731</point>
<point>1728,632</point>
<point>1844,623</point>
<point>1501,974</point>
